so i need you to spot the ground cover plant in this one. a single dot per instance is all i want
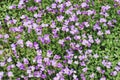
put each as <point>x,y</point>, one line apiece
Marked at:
<point>59,40</point>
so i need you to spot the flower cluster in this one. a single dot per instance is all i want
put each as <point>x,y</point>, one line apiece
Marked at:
<point>61,41</point>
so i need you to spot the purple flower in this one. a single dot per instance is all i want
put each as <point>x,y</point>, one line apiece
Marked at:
<point>1,52</point>
<point>78,12</point>
<point>53,25</point>
<point>12,7</point>
<point>20,66</point>
<point>61,42</point>
<point>18,79</point>
<point>105,8</point>
<point>29,44</point>
<point>57,57</point>
<point>68,3</point>
<point>86,43</point>
<point>10,74</point>
<point>49,53</point>
<point>2,64</point>
<point>54,5</point>
<point>83,5</point>
<point>74,76</point>
<point>25,60</point>
<point>13,46</point>
<point>114,73</point>
<point>60,18</point>
<point>1,36</point>
<point>69,12</point>
<point>97,41</point>
<point>54,63</point>
<point>59,1</point>
<point>46,38</point>
<point>95,55</point>
<point>107,64</point>
<point>10,67</point>
<point>36,74</point>
<point>6,36</point>
<point>77,37</point>
<point>107,32</point>
<point>18,36</point>
<point>92,75</point>
<point>103,78</point>
<point>82,63</point>
<point>117,68</point>
<point>56,78</point>
<point>84,69</point>
<point>116,0</point>
<point>73,18</point>
<point>37,1</point>
<point>36,45</point>
<point>91,12</point>
<point>1,74</point>
<point>86,24</point>
<point>32,9</point>
<point>103,20</point>
<point>96,27</point>
<point>66,71</point>
<point>98,69</point>
<point>70,61</point>
<point>119,63</point>
<point>100,33</point>
<point>20,42</point>
<point>7,17</point>
<point>9,59</point>
<point>43,76</point>
<point>118,12</point>
<point>104,14</point>
<point>110,23</point>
